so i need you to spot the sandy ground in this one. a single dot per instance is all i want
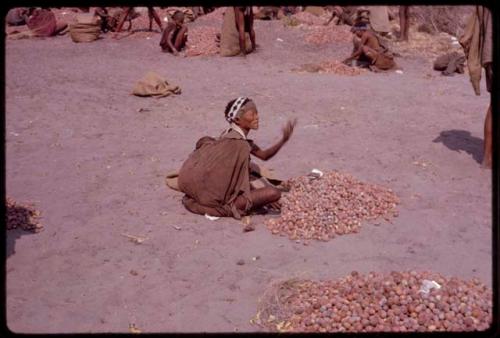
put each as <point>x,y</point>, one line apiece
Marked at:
<point>77,146</point>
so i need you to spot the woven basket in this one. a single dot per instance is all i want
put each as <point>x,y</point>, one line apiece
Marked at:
<point>82,32</point>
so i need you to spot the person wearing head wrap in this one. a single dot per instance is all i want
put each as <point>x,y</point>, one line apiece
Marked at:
<point>367,49</point>
<point>216,176</point>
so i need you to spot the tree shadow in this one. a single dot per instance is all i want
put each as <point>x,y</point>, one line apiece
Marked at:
<point>462,140</point>
<point>20,222</point>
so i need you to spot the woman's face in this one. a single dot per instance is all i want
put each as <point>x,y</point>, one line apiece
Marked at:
<point>249,119</point>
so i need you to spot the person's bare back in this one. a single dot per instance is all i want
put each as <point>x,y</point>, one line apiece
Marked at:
<point>369,39</point>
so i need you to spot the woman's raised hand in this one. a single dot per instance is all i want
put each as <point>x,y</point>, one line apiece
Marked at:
<point>288,129</point>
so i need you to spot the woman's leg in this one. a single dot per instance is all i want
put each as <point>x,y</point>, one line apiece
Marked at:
<point>259,198</point>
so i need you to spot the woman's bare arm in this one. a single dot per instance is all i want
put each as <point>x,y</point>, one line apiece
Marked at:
<point>271,151</point>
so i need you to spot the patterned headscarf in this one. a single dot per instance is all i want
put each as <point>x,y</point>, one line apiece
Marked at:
<point>236,107</point>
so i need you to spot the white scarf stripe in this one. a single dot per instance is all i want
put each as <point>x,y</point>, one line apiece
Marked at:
<point>235,108</point>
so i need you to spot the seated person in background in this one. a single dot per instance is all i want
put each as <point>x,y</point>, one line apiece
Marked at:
<point>216,176</point>
<point>368,50</point>
<point>42,23</point>
<point>174,36</point>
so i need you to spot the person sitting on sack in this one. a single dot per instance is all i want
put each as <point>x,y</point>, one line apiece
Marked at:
<point>174,36</point>
<point>216,176</point>
<point>368,50</point>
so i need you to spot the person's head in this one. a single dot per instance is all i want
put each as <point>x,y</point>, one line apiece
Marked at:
<point>178,18</point>
<point>243,112</point>
<point>359,28</point>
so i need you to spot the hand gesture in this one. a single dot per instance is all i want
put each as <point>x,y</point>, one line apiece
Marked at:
<point>288,129</point>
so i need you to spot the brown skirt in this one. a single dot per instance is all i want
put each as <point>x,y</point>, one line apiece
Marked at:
<point>384,62</point>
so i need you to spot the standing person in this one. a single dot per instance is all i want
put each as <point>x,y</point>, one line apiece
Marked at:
<point>404,23</point>
<point>238,35</point>
<point>128,12</point>
<point>216,176</point>
<point>174,36</point>
<point>243,17</point>
<point>477,42</point>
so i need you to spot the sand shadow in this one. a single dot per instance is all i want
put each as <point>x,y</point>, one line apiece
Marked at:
<point>462,140</point>
<point>16,228</point>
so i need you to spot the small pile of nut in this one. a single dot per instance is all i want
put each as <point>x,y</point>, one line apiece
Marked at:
<point>22,216</point>
<point>308,18</point>
<point>377,303</point>
<point>338,68</point>
<point>202,41</point>
<point>336,203</point>
<point>333,67</point>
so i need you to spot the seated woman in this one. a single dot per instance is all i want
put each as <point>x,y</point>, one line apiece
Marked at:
<point>174,36</point>
<point>42,23</point>
<point>216,176</point>
<point>369,51</point>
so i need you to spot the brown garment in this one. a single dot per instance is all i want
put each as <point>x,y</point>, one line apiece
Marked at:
<point>215,174</point>
<point>229,39</point>
<point>260,177</point>
<point>450,63</point>
<point>42,23</point>
<point>477,43</point>
<point>171,26</point>
<point>384,61</point>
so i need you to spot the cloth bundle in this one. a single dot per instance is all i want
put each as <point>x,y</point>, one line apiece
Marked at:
<point>153,85</point>
<point>450,63</point>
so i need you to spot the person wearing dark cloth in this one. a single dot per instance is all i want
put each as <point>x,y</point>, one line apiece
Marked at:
<point>404,23</point>
<point>244,24</point>
<point>216,176</point>
<point>174,36</point>
<point>367,49</point>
